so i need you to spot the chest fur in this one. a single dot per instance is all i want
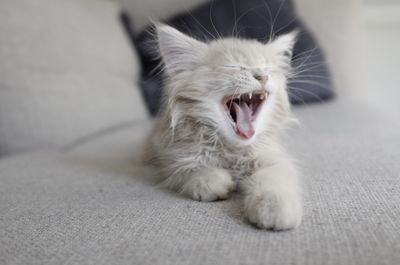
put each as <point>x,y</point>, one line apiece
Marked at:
<point>201,146</point>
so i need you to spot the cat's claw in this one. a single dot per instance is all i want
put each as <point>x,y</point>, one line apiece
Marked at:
<point>210,185</point>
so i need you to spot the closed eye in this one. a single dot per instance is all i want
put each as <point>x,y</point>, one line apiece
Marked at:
<point>245,68</point>
<point>237,67</point>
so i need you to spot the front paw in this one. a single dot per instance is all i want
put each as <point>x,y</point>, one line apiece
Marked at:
<point>209,185</point>
<point>274,211</point>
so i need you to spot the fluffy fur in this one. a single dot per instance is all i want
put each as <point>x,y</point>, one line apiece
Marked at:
<point>193,143</point>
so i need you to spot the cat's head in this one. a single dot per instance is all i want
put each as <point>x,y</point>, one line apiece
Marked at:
<point>237,85</point>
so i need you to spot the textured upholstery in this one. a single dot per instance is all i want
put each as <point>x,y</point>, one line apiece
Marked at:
<point>93,204</point>
<point>66,71</point>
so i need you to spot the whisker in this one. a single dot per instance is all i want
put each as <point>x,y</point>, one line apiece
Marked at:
<point>310,82</point>
<point>188,31</point>
<point>277,13</point>
<point>298,98</point>
<point>270,20</point>
<point>238,20</point>
<point>302,66</point>
<point>303,52</point>
<point>211,20</point>
<point>233,96</point>
<point>234,17</point>
<point>285,26</point>
<point>305,57</point>
<point>308,69</point>
<point>307,92</point>
<point>310,76</point>
<point>198,22</point>
<point>306,66</point>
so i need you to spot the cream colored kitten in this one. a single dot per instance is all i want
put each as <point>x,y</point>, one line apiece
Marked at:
<point>225,105</point>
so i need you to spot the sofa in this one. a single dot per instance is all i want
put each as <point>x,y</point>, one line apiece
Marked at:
<point>72,124</point>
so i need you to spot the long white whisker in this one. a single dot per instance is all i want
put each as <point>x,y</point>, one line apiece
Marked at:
<point>296,97</point>
<point>211,20</point>
<point>240,17</point>
<point>270,20</point>
<point>307,92</point>
<point>305,57</point>
<point>233,96</point>
<point>286,25</point>
<point>308,69</point>
<point>310,76</point>
<point>310,82</point>
<point>304,52</point>
<point>234,17</point>
<point>277,14</point>
<point>198,22</point>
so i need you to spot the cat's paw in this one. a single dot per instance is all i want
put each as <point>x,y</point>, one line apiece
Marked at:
<point>274,211</point>
<point>209,185</point>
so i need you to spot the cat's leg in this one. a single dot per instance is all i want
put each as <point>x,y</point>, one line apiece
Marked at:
<point>272,197</point>
<point>206,184</point>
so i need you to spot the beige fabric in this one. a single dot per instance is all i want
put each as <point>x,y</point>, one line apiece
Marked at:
<point>66,71</point>
<point>337,25</point>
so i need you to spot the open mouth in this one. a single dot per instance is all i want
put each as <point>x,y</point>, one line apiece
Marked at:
<point>242,110</point>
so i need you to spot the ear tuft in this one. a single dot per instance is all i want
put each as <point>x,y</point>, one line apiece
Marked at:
<point>283,45</point>
<point>178,51</point>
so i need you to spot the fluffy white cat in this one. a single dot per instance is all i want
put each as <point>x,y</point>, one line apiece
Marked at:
<point>226,103</point>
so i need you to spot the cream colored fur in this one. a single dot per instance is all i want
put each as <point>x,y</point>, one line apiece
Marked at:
<point>193,143</point>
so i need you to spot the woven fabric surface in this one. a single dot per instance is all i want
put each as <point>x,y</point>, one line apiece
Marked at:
<point>95,205</point>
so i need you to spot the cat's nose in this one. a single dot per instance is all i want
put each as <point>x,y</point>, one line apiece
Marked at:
<point>261,78</point>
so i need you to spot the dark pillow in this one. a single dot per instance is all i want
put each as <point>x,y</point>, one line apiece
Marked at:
<point>251,19</point>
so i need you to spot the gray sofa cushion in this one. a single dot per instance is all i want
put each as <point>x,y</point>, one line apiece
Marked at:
<point>94,205</point>
<point>66,71</point>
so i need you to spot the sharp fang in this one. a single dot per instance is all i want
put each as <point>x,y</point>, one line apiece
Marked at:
<point>262,96</point>
<point>250,95</point>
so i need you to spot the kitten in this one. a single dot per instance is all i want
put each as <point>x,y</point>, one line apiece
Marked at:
<point>226,103</point>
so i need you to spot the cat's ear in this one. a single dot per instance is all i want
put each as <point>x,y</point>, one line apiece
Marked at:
<point>178,51</point>
<point>283,45</point>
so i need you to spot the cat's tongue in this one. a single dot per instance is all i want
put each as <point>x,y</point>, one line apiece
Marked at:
<point>244,118</point>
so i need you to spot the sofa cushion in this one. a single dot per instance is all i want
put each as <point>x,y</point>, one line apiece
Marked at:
<point>95,205</point>
<point>66,71</point>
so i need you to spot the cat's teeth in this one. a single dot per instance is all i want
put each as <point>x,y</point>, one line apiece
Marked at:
<point>262,96</point>
<point>250,95</point>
